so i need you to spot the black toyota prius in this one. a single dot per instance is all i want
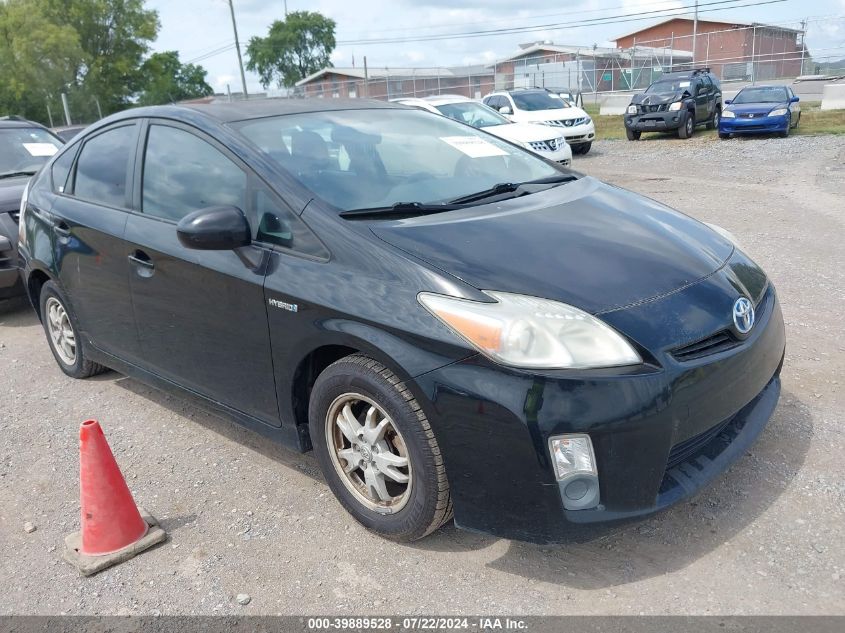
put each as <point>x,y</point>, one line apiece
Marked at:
<point>454,325</point>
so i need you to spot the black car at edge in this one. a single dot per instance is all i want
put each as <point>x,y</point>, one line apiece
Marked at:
<point>24,148</point>
<point>453,324</point>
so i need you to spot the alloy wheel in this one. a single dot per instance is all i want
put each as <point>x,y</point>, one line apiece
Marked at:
<point>368,453</point>
<point>61,332</point>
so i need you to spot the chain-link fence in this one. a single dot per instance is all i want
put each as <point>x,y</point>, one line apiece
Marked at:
<point>753,53</point>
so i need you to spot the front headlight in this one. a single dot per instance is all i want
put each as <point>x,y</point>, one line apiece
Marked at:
<point>587,121</point>
<point>728,114</point>
<point>778,112</point>
<point>531,332</point>
<point>674,107</point>
<point>632,109</point>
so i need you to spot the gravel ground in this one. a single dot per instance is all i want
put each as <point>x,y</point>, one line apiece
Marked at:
<point>254,529</point>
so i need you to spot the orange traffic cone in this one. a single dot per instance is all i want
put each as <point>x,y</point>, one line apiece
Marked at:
<point>113,527</point>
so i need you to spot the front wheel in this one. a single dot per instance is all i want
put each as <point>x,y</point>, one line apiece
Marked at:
<point>724,135</point>
<point>633,135</point>
<point>797,121</point>
<point>687,129</point>
<point>377,450</point>
<point>582,148</point>
<point>63,334</point>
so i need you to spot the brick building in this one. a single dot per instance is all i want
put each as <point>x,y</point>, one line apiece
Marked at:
<point>393,83</point>
<point>733,50</point>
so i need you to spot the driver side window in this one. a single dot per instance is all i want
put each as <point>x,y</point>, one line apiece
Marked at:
<point>183,173</point>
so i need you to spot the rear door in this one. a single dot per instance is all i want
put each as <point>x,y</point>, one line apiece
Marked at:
<point>88,219</point>
<point>703,91</point>
<point>201,315</point>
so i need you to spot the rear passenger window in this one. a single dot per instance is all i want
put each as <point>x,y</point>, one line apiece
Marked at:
<point>183,173</point>
<point>102,166</point>
<point>61,170</point>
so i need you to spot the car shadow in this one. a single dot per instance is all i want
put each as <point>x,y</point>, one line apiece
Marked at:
<point>17,312</point>
<point>671,540</point>
<point>305,463</point>
<point>662,544</point>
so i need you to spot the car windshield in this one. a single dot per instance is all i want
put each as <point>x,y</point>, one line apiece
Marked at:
<point>25,149</point>
<point>532,101</point>
<point>668,85</point>
<point>472,113</point>
<point>366,159</point>
<point>761,95</point>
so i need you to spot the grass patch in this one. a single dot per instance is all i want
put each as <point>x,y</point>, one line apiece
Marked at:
<point>813,121</point>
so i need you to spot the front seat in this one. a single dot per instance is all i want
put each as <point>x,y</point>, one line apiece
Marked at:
<point>309,151</point>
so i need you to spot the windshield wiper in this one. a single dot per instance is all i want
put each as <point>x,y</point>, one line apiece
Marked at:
<point>512,187</point>
<point>16,174</point>
<point>400,209</point>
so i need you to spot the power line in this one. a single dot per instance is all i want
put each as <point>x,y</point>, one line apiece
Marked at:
<point>619,19</point>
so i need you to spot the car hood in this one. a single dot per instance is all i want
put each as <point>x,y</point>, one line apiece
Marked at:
<point>559,114</point>
<point>11,190</point>
<point>754,108</point>
<point>658,98</point>
<point>523,132</point>
<point>585,243</point>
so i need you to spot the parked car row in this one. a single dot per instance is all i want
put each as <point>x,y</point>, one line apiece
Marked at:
<point>682,101</point>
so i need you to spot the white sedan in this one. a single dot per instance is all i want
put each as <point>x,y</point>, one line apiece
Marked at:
<point>540,139</point>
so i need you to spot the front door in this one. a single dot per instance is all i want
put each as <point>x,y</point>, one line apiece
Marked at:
<point>200,315</point>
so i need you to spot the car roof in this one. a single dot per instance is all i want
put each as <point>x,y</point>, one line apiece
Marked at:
<point>19,123</point>
<point>227,112</point>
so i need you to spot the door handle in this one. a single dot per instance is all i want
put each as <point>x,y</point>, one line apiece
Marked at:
<point>62,229</point>
<point>143,262</point>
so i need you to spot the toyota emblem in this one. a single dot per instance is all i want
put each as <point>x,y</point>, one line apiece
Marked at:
<point>743,315</point>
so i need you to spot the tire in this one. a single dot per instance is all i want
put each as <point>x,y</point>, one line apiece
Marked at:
<point>797,121</point>
<point>688,128</point>
<point>583,148</point>
<point>63,334</point>
<point>785,132</point>
<point>401,511</point>
<point>633,135</point>
<point>713,124</point>
<point>724,135</point>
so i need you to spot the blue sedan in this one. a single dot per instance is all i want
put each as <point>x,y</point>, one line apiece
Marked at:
<point>760,109</point>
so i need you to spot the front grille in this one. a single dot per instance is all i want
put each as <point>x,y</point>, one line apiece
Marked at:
<point>719,342</point>
<point>753,115</point>
<point>551,145</point>
<point>660,107</point>
<point>682,451</point>
<point>566,122</point>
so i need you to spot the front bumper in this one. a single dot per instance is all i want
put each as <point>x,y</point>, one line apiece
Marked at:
<point>659,433</point>
<point>656,121</point>
<point>756,125</point>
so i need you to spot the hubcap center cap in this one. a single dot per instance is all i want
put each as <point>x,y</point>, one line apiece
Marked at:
<point>366,453</point>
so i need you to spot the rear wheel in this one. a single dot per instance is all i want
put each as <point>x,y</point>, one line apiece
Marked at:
<point>377,450</point>
<point>713,124</point>
<point>687,129</point>
<point>633,135</point>
<point>63,334</point>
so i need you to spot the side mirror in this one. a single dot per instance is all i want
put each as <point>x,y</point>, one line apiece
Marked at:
<point>506,110</point>
<point>214,229</point>
<point>794,100</point>
<point>728,101</point>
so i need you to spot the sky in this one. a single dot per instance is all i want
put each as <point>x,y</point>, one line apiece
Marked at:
<point>198,28</point>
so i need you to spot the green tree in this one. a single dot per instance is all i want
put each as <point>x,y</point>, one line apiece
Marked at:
<point>167,80</point>
<point>115,36</point>
<point>294,48</point>
<point>37,60</point>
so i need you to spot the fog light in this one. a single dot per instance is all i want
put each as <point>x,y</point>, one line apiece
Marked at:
<point>575,468</point>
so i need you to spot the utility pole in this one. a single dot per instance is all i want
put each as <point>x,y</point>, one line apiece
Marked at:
<point>694,32</point>
<point>803,48</point>
<point>238,48</point>
<point>286,8</point>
